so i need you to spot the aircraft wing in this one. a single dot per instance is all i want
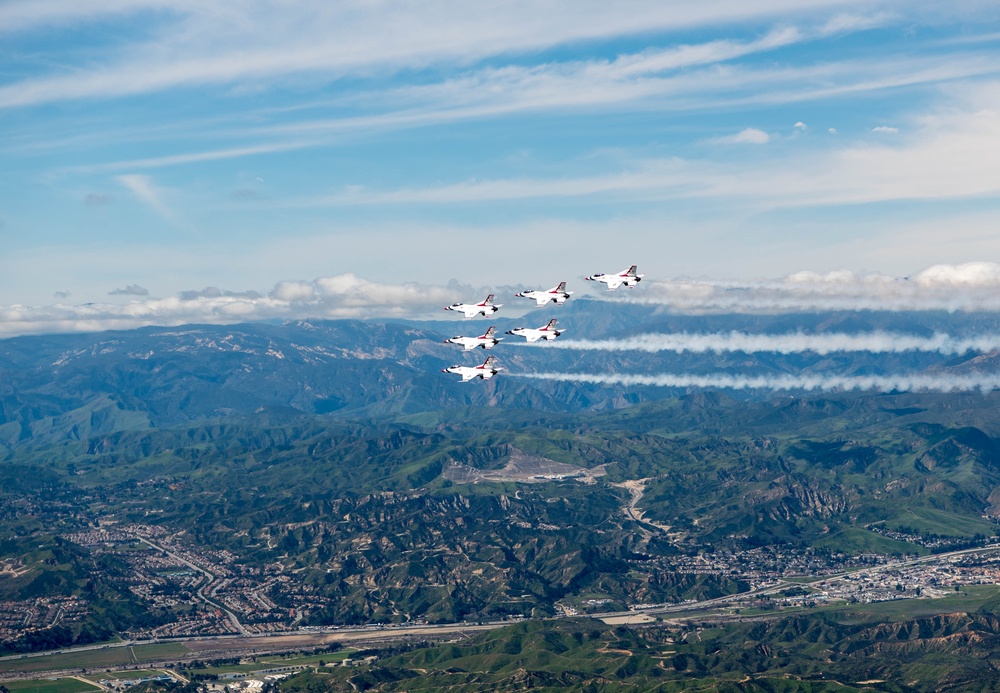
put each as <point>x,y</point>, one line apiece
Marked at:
<point>542,300</point>
<point>471,312</point>
<point>532,337</point>
<point>466,377</point>
<point>614,283</point>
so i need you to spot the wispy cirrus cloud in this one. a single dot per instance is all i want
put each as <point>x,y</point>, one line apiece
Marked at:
<point>26,15</point>
<point>950,153</point>
<point>673,79</point>
<point>217,42</point>
<point>490,92</point>
<point>652,175</point>
<point>142,187</point>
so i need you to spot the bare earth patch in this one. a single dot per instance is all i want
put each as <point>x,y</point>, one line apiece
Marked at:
<point>631,618</point>
<point>523,468</point>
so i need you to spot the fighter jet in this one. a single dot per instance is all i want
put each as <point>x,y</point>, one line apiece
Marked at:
<point>471,310</point>
<point>557,294</point>
<point>627,277</point>
<point>486,341</point>
<point>485,371</point>
<point>546,332</point>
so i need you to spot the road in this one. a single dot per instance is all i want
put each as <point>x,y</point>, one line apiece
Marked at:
<point>391,632</point>
<point>793,582</point>
<point>240,628</point>
<point>331,634</point>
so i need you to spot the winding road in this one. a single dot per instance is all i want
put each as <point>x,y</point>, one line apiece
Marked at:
<point>233,619</point>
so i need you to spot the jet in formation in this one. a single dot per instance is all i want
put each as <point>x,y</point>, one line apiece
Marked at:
<point>471,310</point>
<point>627,277</point>
<point>485,371</point>
<point>548,332</point>
<point>557,294</point>
<point>533,334</point>
<point>486,340</point>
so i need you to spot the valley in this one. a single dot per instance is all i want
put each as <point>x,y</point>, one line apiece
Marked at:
<point>236,499</point>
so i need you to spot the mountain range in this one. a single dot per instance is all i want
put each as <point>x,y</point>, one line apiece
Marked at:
<point>72,387</point>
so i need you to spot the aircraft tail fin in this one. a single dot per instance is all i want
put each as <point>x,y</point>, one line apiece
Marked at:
<point>489,362</point>
<point>490,332</point>
<point>561,286</point>
<point>552,324</point>
<point>631,271</point>
<point>488,301</point>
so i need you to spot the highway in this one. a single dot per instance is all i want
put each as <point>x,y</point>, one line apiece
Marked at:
<point>334,633</point>
<point>403,630</point>
<point>790,582</point>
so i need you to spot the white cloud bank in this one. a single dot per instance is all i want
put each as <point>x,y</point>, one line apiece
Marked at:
<point>970,287</point>
<point>973,286</point>
<point>341,296</point>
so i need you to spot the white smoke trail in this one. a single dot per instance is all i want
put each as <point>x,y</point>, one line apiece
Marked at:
<point>794,343</point>
<point>981,382</point>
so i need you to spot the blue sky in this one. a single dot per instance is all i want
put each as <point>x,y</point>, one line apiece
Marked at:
<point>173,161</point>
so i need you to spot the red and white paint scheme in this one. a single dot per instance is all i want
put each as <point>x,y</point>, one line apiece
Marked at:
<point>485,371</point>
<point>471,310</point>
<point>628,277</point>
<point>557,294</point>
<point>547,332</point>
<point>486,340</point>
